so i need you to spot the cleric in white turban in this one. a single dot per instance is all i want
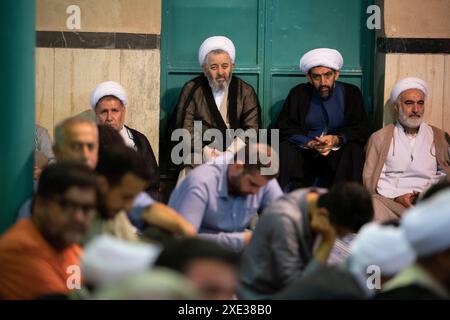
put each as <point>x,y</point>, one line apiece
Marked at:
<point>215,43</point>
<point>218,100</point>
<point>321,122</point>
<point>406,157</point>
<point>426,228</point>
<point>384,246</point>
<point>108,88</point>
<point>109,100</point>
<point>323,57</point>
<point>406,84</point>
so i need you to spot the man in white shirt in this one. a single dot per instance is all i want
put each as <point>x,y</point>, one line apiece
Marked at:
<point>405,158</point>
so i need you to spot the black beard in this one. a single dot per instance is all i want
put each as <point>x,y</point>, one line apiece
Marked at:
<point>325,97</point>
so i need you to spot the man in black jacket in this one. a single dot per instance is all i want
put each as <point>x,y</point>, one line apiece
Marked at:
<point>323,126</point>
<point>108,101</point>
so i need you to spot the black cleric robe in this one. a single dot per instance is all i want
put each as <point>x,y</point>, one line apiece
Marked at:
<point>301,167</point>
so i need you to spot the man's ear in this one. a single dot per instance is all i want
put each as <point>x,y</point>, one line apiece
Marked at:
<point>103,184</point>
<point>336,76</point>
<point>395,109</point>
<point>308,76</point>
<point>36,206</point>
<point>204,69</point>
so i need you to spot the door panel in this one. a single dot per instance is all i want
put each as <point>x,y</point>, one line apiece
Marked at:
<point>270,36</point>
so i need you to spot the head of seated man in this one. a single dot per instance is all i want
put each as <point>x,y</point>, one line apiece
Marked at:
<point>65,203</point>
<point>108,101</point>
<point>122,176</point>
<point>410,107</point>
<point>253,167</point>
<point>323,79</point>
<point>212,269</point>
<point>76,139</point>
<point>218,68</point>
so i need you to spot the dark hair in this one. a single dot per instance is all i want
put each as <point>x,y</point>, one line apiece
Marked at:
<point>58,177</point>
<point>179,253</point>
<point>254,156</point>
<point>349,205</point>
<point>117,160</point>
<point>108,136</point>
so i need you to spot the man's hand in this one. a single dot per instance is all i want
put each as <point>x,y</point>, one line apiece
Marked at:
<point>168,219</point>
<point>247,237</point>
<point>321,225</point>
<point>37,172</point>
<point>323,144</point>
<point>407,199</point>
<point>328,140</point>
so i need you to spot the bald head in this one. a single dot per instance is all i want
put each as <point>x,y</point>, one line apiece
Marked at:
<point>76,139</point>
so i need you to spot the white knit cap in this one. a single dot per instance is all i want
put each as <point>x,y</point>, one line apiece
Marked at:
<point>323,57</point>
<point>107,259</point>
<point>427,226</point>
<point>382,246</point>
<point>214,43</point>
<point>408,83</point>
<point>108,88</point>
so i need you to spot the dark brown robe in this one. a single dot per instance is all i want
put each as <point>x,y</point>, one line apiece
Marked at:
<point>196,103</point>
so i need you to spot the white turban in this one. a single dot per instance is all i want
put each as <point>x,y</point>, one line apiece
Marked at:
<point>427,226</point>
<point>408,83</point>
<point>108,88</point>
<point>214,43</point>
<point>382,246</point>
<point>323,57</point>
<point>107,259</point>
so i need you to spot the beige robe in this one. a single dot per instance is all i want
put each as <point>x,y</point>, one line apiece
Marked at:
<point>376,153</point>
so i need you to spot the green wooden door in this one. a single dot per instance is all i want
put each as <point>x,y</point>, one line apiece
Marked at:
<point>270,36</point>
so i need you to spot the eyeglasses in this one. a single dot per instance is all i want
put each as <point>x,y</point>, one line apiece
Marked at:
<point>72,206</point>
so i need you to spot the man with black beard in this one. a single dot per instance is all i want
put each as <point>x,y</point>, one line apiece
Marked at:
<point>406,158</point>
<point>216,100</point>
<point>323,126</point>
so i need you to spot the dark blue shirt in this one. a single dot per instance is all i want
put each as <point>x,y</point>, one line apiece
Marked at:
<point>324,116</point>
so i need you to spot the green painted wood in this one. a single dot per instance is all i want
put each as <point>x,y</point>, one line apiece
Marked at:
<point>270,37</point>
<point>295,27</point>
<point>17,38</point>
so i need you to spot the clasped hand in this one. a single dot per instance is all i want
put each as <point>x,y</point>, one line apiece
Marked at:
<point>323,144</point>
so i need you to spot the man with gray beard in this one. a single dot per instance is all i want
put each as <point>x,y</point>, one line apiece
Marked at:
<point>217,100</point>
<point>405,158</point>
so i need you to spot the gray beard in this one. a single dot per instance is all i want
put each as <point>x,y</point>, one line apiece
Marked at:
<point>407,122</point>
<point>217,87</point>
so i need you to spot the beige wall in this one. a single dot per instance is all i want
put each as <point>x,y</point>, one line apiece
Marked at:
<point>417,18</point>
<point>414,19</point>
<point>66,77</point>
<point>130,16</point>
<point>435,70</point>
